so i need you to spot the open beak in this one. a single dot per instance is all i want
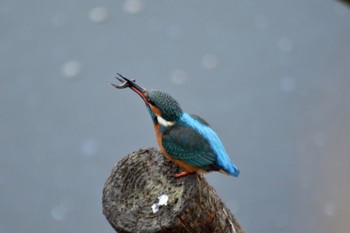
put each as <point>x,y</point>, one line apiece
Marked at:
<point>132,85</point>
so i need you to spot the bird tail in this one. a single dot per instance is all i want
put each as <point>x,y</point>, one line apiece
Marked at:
<point>231,169</point>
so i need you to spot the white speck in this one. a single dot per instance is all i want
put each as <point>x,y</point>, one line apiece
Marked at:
<point>340,9</point>
<point>89,148</point>
<point>58,212</point>
<point>285,44</point>
<point>133,6</point>
<point>162,200</point>
<point>98,14</point>
<point>155,208</point>
<point>71,69</point>
<point>59,20</point>
<point>178,77</point>
<point>209,61</point>
<point>287,84</point>
<point>329,208</point>
<point>261,22</point>
<point>319,138</point>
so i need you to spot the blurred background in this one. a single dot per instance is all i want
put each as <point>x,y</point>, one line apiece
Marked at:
<point>271,77</point>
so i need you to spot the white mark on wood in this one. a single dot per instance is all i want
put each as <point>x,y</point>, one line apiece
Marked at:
<point>162,200</point>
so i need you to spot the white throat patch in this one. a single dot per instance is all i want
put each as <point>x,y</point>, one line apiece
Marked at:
<point>164,122</point>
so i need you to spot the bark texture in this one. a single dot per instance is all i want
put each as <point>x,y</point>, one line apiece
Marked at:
<point>138,181</point>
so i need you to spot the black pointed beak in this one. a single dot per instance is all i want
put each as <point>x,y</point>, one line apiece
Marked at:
<point>125,82</point>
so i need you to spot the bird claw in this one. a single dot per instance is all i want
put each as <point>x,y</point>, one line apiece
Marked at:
<point>183,173</point>
<point>124,82</point>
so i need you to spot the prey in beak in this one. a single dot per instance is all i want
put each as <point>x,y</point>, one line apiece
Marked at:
<point>125,82</point>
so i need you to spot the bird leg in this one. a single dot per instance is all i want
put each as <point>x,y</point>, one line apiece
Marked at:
<point>182,174</point>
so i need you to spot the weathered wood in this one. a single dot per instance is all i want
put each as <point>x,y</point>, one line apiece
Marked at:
<point>139,179</point>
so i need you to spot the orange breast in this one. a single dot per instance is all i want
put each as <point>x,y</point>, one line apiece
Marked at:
<point>180,163</point>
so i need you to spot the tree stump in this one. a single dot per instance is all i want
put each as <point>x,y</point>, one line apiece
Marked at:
<point>142,195</point>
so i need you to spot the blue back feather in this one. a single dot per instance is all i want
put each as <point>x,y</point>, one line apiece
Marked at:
<point>223,160</point>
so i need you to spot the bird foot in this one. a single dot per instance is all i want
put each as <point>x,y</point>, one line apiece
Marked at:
<point>182,174</point>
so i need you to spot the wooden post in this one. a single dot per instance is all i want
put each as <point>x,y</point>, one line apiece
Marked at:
<point>142,195</point>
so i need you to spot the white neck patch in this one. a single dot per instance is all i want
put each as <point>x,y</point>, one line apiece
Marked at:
<point>164,122</point>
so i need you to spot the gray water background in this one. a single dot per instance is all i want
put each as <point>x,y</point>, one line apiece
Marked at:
<point>271,77</point>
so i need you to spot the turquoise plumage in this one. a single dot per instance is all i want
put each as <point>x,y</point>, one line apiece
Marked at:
<point>186,139</point>
<point>194,142</point>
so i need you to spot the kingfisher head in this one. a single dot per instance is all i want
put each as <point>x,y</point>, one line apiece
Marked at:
<point>163,108</point>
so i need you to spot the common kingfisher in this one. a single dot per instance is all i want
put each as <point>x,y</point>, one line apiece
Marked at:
<point>185,139</point>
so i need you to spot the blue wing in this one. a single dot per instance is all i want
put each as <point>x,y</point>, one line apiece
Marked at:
<point>187,145</point>
<point>194,142</point>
